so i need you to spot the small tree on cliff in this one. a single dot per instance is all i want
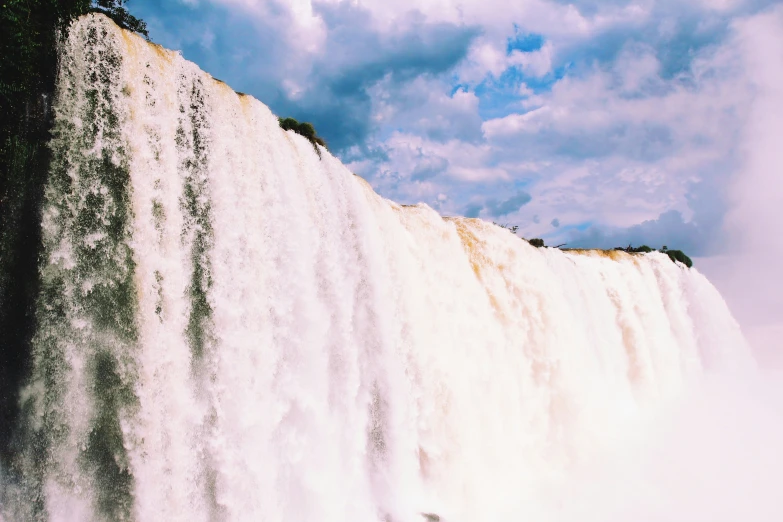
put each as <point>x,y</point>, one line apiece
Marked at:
<point>303,129</point>
<point>115,9</point>
<point>679,255</point>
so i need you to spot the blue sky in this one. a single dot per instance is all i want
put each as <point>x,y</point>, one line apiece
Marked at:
<point>589,123</point>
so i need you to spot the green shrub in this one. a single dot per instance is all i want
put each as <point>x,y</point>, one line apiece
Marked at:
<point>639,249</point>
<point>536,242</point>
<point>303,129</point>
<point>288,124</point>
<point>679,255</point>
<point>115,9</point>
<point>307,130</point>
<point>674,255</point>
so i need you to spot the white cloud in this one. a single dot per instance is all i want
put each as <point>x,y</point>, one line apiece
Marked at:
<point>697,108</point>
<point>425,106</point>
<point>486,58</point>
<point>537,63</point>
<point>637,68</point>
<point>466,162</point>
<point>304,28</point>
<point>721,5</point>
<point>529,122</point>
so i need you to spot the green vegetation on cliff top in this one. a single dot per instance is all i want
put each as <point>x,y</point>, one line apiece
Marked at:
<point>303,129</point>
<point>674,255</point>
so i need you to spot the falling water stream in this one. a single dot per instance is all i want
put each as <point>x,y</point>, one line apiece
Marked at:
<point>234,327</point>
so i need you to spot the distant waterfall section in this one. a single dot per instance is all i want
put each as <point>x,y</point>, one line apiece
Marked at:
<point>232,326</point>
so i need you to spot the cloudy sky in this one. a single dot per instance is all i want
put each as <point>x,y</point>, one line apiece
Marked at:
<point>592,123</point>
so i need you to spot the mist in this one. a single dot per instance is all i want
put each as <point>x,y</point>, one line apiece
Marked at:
<point>716,455</point>
<point>748,275</point>
<point>713,457</point>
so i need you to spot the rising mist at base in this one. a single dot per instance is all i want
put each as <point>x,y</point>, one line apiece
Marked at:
<point>234,328</point>
<point>714,455</point>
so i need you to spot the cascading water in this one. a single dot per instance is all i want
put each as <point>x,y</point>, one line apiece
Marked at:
<point>234,328</point>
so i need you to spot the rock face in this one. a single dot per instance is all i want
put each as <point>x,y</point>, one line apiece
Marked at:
<point>30,33</point>
<point>27,81</point>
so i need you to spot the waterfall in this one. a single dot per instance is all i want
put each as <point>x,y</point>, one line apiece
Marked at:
<point>234,327</point>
